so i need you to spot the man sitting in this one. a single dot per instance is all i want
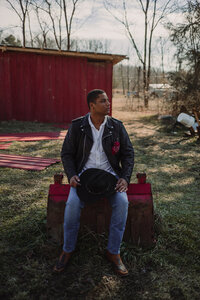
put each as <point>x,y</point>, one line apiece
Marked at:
<point>97,141</point>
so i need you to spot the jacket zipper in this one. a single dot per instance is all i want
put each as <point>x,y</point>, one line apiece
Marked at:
<point>84,142</point>
<point>102,142</point>
<point>106,136</point>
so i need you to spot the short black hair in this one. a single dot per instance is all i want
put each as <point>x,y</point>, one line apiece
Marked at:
<point>93,95</point>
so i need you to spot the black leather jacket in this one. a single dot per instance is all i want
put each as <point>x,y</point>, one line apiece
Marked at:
<point>78,143</point>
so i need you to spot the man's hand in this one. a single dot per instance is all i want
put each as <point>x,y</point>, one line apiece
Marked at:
<point>74,181</point>
<point>121,186</point>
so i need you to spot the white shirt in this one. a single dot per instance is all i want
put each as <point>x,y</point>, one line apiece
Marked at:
<point>97,157</point>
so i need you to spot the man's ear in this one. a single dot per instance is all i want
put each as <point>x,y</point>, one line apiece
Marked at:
<point>91,105</point>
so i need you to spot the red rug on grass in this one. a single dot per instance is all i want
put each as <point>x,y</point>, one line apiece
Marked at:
<point>26,162</point>
<point>5,146</point>
<point>32,136</point>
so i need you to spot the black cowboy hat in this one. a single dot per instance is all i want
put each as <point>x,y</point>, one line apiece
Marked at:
<point>96,184</point>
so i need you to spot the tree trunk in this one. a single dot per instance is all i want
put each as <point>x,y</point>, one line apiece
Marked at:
<point>145,87</point>
<point>128,79</point>
<point>122,77</point>
<point>138,81</point>
<point>23,33</point>
<point>68,42</point>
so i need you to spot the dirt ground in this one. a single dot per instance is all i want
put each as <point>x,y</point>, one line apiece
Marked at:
<point>130,112</point>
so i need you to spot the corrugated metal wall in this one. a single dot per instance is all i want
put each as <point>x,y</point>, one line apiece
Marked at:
<point>49,88</point>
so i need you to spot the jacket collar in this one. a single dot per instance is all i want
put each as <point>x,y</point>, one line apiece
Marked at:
<point>108,127</point>
<point>85,126</point>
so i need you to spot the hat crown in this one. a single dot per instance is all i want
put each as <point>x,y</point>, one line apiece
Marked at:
<point>96,184</point>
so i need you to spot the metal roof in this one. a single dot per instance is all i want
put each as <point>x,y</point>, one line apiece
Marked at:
<point>114,58</point>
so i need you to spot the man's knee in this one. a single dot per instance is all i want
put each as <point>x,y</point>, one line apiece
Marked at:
<point>73,200</point>
<point>120,200</point>
<point>73,205</point>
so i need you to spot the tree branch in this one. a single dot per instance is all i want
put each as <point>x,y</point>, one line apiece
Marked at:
<point>126,23</point>
<point>14,9</point>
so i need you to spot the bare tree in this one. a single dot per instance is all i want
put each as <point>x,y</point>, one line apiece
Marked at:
<point>39,42</point>
<point>152,17</point>
<point>69,19</point>
<point>122,78</point>
<point>30,31</point>
<point>51,10</point>
<point>61,14</point>
<point>92,45</point>
<point>162,41</point>
<point>21,9</point>
<point>186,38</point>
<point>44,27</point>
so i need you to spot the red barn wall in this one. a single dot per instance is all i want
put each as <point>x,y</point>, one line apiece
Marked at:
<point>49,88</point>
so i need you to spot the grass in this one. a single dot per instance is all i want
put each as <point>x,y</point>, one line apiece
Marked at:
<point>168,271</point>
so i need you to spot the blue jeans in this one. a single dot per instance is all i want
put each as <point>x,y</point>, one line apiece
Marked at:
<point>119,204</point>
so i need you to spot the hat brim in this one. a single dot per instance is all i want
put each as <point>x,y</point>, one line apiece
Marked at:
<point>92,174</point>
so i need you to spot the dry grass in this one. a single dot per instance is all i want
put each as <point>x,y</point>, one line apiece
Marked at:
<point>169,271</point>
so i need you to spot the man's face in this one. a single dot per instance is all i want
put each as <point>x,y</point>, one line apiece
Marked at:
<point>101,105</point>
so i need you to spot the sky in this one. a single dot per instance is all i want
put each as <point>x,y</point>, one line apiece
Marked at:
<point>93,21</point>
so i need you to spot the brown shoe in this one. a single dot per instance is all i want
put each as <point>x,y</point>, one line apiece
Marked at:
<point>117,263</point>
<point>62,262</point>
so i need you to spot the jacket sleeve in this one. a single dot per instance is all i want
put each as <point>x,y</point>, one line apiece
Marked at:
<point>127,154</point>
<point>68,153</point>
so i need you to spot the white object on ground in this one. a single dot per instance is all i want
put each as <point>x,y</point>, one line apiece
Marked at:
<point>186,120</point>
